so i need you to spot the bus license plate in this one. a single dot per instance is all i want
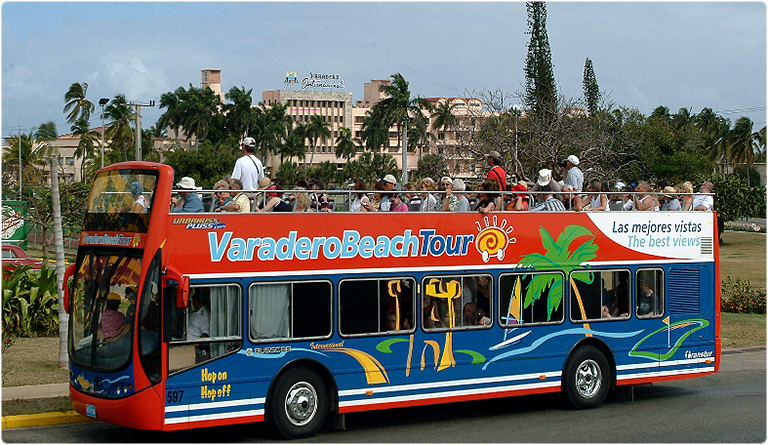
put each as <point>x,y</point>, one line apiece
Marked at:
<point>90,411</point>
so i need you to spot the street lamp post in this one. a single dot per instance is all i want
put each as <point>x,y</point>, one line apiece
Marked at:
<point>103,101</point>
<point>404,179</point>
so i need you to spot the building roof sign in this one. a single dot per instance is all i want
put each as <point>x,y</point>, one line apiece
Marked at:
<point>321,80</point>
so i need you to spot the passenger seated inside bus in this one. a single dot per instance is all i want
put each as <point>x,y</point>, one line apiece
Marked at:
<point>199,325</point>
<point>111,319</point>
<point>646,299</point>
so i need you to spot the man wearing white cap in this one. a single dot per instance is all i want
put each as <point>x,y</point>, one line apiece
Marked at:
<point>574,176</point>
<point>188,201</point>
<point>544,180</point>
<point>389,182</point>
<point>248,168</point>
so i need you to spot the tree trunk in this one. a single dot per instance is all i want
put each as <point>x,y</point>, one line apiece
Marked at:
<point>59,242</point>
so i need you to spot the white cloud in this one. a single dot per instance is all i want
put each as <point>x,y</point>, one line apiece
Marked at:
<point>133,78</point>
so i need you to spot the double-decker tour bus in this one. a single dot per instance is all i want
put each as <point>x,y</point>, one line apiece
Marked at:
<point>194,320</point>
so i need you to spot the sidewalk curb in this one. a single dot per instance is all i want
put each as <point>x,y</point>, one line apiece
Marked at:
<point>44,419</point>
<point>59,418</point>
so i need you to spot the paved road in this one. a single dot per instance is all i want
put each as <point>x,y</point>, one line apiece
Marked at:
<point>726,407</point>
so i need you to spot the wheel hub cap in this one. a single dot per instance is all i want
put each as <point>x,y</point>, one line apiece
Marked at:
<point>301,403</point>
<point>588,377</point>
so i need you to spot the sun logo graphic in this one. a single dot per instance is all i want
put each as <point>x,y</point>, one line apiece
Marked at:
<point>492,240</point>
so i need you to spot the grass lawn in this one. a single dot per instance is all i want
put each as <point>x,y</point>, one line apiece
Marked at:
<point>742,255</point>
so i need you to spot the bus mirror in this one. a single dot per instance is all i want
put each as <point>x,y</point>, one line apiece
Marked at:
<point>182,296</point>
<point>70,271</point>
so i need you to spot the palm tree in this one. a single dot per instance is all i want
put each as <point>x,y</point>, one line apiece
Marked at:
<point>119,132</point>
<point>198,107</point>
<point>46,132</point>
<point>77,105</point>
<point>317,129</point>
<point>172,103</point>
<point>743,143</point>
<point>558,255</point>
<point>89,139</point>
<point>239,113</point>
<point>374,132</point>
<point>345,146</point>
<point>418,133</point>
<point>33,156</point>
<point>711,127</point>
<point>398,104</point>
<point>444,119</point>
<point>294,145</point>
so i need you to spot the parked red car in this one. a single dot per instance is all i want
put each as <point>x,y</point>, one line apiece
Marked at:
<point>14,256</point>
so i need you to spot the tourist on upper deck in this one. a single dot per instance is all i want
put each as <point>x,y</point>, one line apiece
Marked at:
<point>642,200</point>
<point>598,201</point>
<point>221,199</point>
<point>398,203</point>
<point>360,201</point>
<point>626,197</point>
<point>669,201</point>
<point>188,201</point>
<point>428,202</point>
<point>545,179</point>
<point>239,203</point>
<point>573,175</point>
<point>275,201</point>
<point>687,187</point>
<point>486,196</point>
<point>449,201</point>
<point>390,183</point>
<point>550,204</point>
<point>414,200</point>
<point>302,200</point>
<point>519,202</point>
<point>571,200</point>
<point>248,168</point>
<point>702,201</point>
<point>496,173</point>
<point>459,189</point>
<point>318,202</point>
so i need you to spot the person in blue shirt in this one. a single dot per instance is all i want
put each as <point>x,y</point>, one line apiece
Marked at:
<point>188,201</point>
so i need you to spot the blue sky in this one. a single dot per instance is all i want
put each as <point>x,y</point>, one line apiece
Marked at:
<point>691,55</point>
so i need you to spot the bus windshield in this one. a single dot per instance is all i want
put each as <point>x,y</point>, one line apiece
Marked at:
<point>121,200</point>
<point>103,308</point>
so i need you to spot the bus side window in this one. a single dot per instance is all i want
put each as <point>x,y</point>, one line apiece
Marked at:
<point>649,293</point>
<point>370,306</point>
<point>289,310</point>
<point>207,328</point>
<point>599,295</point>
<point>462,301</point>
<point>539,290</point>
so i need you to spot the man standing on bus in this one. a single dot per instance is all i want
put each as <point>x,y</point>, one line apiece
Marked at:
<point>496,173</point>
<point>188,201</point>
<point>248,168</point>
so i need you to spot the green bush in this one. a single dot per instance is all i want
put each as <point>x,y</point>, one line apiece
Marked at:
<point>30,302</point>
<point>734,199</point>
<point>738,296</point>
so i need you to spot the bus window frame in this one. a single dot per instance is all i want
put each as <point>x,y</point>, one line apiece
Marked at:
<point>288,339</point>
<point>414,307</point>
<point>492,300</point>
<point>601,319</point>
<point>207,340</point>
<point>542,323</point>
<point>663,297</point>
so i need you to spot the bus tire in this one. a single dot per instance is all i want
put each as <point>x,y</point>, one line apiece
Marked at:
<point>587,378</point>
<point>299,404</point>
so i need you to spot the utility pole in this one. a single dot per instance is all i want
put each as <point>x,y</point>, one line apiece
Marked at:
<point>139,106</point>
<point>20,194</point>
<point>103,101</point>
<point>404,179</point>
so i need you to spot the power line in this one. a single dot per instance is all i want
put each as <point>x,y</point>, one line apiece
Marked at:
<point>740,110</point>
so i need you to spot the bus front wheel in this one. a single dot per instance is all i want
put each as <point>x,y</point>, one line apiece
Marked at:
<point>587,377</point>
<point>299,404</point>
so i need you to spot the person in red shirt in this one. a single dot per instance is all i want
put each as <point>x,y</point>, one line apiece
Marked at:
<point>496,173</point>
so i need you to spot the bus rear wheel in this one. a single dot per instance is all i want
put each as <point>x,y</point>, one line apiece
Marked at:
<point>587,378</point>
<point>299,404</point>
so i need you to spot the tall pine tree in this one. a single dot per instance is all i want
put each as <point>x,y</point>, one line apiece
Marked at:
<point>591,90</point>
<point>540,90</point>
